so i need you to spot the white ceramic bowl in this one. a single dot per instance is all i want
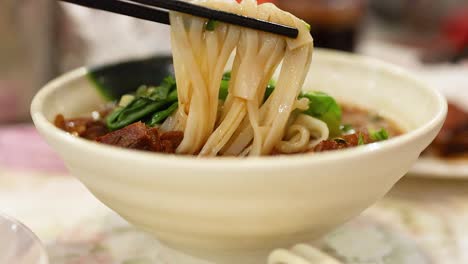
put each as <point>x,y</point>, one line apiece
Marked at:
<point>235,210</point>
<point>19,245</point>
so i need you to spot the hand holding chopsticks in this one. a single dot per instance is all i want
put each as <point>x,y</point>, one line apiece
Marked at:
<point>152,10</point>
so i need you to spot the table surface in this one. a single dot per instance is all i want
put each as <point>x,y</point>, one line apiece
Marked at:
<point>418,222</point>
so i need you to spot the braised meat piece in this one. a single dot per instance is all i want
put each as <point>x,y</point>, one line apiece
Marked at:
<point>171,140</point>
<point>139,136</point>
<point>458,145</point>
<point>134,136</point>
<point>453,137</point>
<point>456,120</point>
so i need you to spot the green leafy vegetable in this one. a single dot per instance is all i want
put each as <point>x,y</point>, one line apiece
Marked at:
<point>224,89</point>
<point>269,90</point>
<point>325,108</point>
<point>211,25</point>
<point>147,101</point>
<point>172,96</point>
<point>379,135</point>
<point>360,140</point>
<point>160,116</point>
<point>136,110</point>
<point>158,93</point>
<point>154,104</point>
<point>114,80</point>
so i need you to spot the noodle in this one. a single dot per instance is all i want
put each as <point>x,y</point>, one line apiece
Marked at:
<point>244,125</point>
<point>300,254</point>
<point>206,111</point>
<point>199,70</point>
<point>304,134</point>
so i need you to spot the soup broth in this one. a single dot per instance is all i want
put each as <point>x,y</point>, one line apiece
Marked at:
<point>358,127</point>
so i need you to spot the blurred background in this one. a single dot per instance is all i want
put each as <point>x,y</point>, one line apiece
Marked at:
<point>41,38</point>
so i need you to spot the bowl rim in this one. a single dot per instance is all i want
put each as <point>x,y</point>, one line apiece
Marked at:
<point>233,162</point>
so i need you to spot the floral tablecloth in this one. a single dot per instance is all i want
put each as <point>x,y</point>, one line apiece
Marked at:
<point>419,222</point>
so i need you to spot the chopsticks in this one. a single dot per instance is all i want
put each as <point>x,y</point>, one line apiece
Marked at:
<point>124,8</point>
<point>151,10</point>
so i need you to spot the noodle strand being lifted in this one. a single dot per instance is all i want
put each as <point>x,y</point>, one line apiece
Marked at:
<point>208,112</point>
<point>245,122</point>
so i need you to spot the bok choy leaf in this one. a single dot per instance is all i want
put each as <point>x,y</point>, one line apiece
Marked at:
<point>160,116</point>
<point>147,101</point>
<point>325,108</point>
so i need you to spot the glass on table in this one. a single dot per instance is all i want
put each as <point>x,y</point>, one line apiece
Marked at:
<point>19,245</point>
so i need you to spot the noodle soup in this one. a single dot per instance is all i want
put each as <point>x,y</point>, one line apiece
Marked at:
<point>345,125</point>
<point>208,112</point>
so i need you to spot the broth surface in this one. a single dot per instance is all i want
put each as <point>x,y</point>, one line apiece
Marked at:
<point>361,119</point>
<point>358,128</point>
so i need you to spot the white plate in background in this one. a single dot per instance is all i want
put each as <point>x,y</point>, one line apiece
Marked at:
<point>440,168</point>
<point>452,81</point>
